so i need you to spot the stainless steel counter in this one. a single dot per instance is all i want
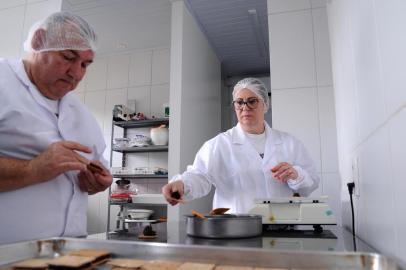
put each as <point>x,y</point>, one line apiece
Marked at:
<point>332,239</point>
<point>294,250</point>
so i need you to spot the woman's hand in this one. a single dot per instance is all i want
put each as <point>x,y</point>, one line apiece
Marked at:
<point>173,192</point>
<point>284,172</point>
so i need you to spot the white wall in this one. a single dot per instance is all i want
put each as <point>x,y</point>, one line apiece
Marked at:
<point>195,98</point>
<point>16,18</point>
<point>139,72</point>
<point>368,56</point>
<point>302,86</point>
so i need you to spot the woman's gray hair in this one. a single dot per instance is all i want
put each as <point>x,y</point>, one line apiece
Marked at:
<point>256,86</point>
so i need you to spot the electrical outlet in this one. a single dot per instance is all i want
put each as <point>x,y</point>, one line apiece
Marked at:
<point>355,176</point>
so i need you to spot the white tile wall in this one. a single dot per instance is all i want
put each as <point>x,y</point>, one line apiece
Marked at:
<point>37,11</point>
<point>363,33</point>
<point>142,97</point>
<point>292,50</point>
<point>113,97</point>
<point>11,25</point>
<point>81,87</point>
<point>138,159</point>
<point>296,112</point>
<point>158,160</point>
<point>159,96</point>
<point>5,4</point>
<point>287,5</point>
<point>140,68</point>
<point>318,3</point>
<point>346,99</point>
<point>397,135</point>
<point>34,1</point>
<point>376,205</point>
<point>392,44</point>
<point>368,56</point>
<point>118,67</point>
<point>328,132</point>
<point>96,75</point>
<point>95,102</point>
<point>160,66</point>
<point>322,47</point>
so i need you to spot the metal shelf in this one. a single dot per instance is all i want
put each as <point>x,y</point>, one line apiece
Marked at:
<point>151,148</point>
<point>150,200</point>
<point>142,123</point>
<point>137,203</point>
<point>140,175</point>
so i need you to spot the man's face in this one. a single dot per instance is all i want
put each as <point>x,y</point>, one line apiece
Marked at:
<point>58,72</point>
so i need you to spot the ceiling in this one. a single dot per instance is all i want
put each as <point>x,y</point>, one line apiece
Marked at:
<point>236,29</point>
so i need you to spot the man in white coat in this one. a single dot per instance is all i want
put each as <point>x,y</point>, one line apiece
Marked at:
<point>47,136</point>
<point>248,161</point>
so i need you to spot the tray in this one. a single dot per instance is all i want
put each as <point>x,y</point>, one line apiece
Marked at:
<point>186,253</point>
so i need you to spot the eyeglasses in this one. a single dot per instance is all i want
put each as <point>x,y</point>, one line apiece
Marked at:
<point>252,103</point>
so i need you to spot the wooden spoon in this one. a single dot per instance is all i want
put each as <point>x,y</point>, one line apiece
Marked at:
<point>197,214</point>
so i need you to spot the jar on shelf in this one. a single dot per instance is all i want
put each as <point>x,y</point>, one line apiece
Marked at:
<point>124,186</point>
<point>160,135</point>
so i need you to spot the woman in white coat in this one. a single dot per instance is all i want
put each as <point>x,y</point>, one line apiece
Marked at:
<point>248,161</point>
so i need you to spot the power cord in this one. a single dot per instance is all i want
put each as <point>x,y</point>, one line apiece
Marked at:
<point>351,187</point>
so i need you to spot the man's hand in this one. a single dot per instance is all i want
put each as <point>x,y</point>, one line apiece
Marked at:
<point>58,158</point>
<point>284,172</point>
<point>169,192</point>
<point>93,183</point>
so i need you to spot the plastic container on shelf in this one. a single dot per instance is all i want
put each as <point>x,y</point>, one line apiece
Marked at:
<point>143,170</point>
<point>139,213</point>
<point>121,142</point>
<point>140,140</point>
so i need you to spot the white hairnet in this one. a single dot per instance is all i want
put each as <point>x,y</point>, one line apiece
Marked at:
<point>62,31</point>
<point>254,85</point>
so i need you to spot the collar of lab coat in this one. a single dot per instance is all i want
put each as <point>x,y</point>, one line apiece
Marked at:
<point>18,67</point>
<point>272,137</point>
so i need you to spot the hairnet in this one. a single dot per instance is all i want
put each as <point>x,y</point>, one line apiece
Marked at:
<point>63,31</point>
<point>254,85</point>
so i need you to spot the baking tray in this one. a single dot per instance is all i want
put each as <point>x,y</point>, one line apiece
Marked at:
<point>186,253</point>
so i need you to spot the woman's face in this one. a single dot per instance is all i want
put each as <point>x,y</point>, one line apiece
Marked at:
<point>250,111</point>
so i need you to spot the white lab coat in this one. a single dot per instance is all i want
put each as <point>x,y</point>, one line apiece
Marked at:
<point>235,168</point>
<point>27,127</point>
